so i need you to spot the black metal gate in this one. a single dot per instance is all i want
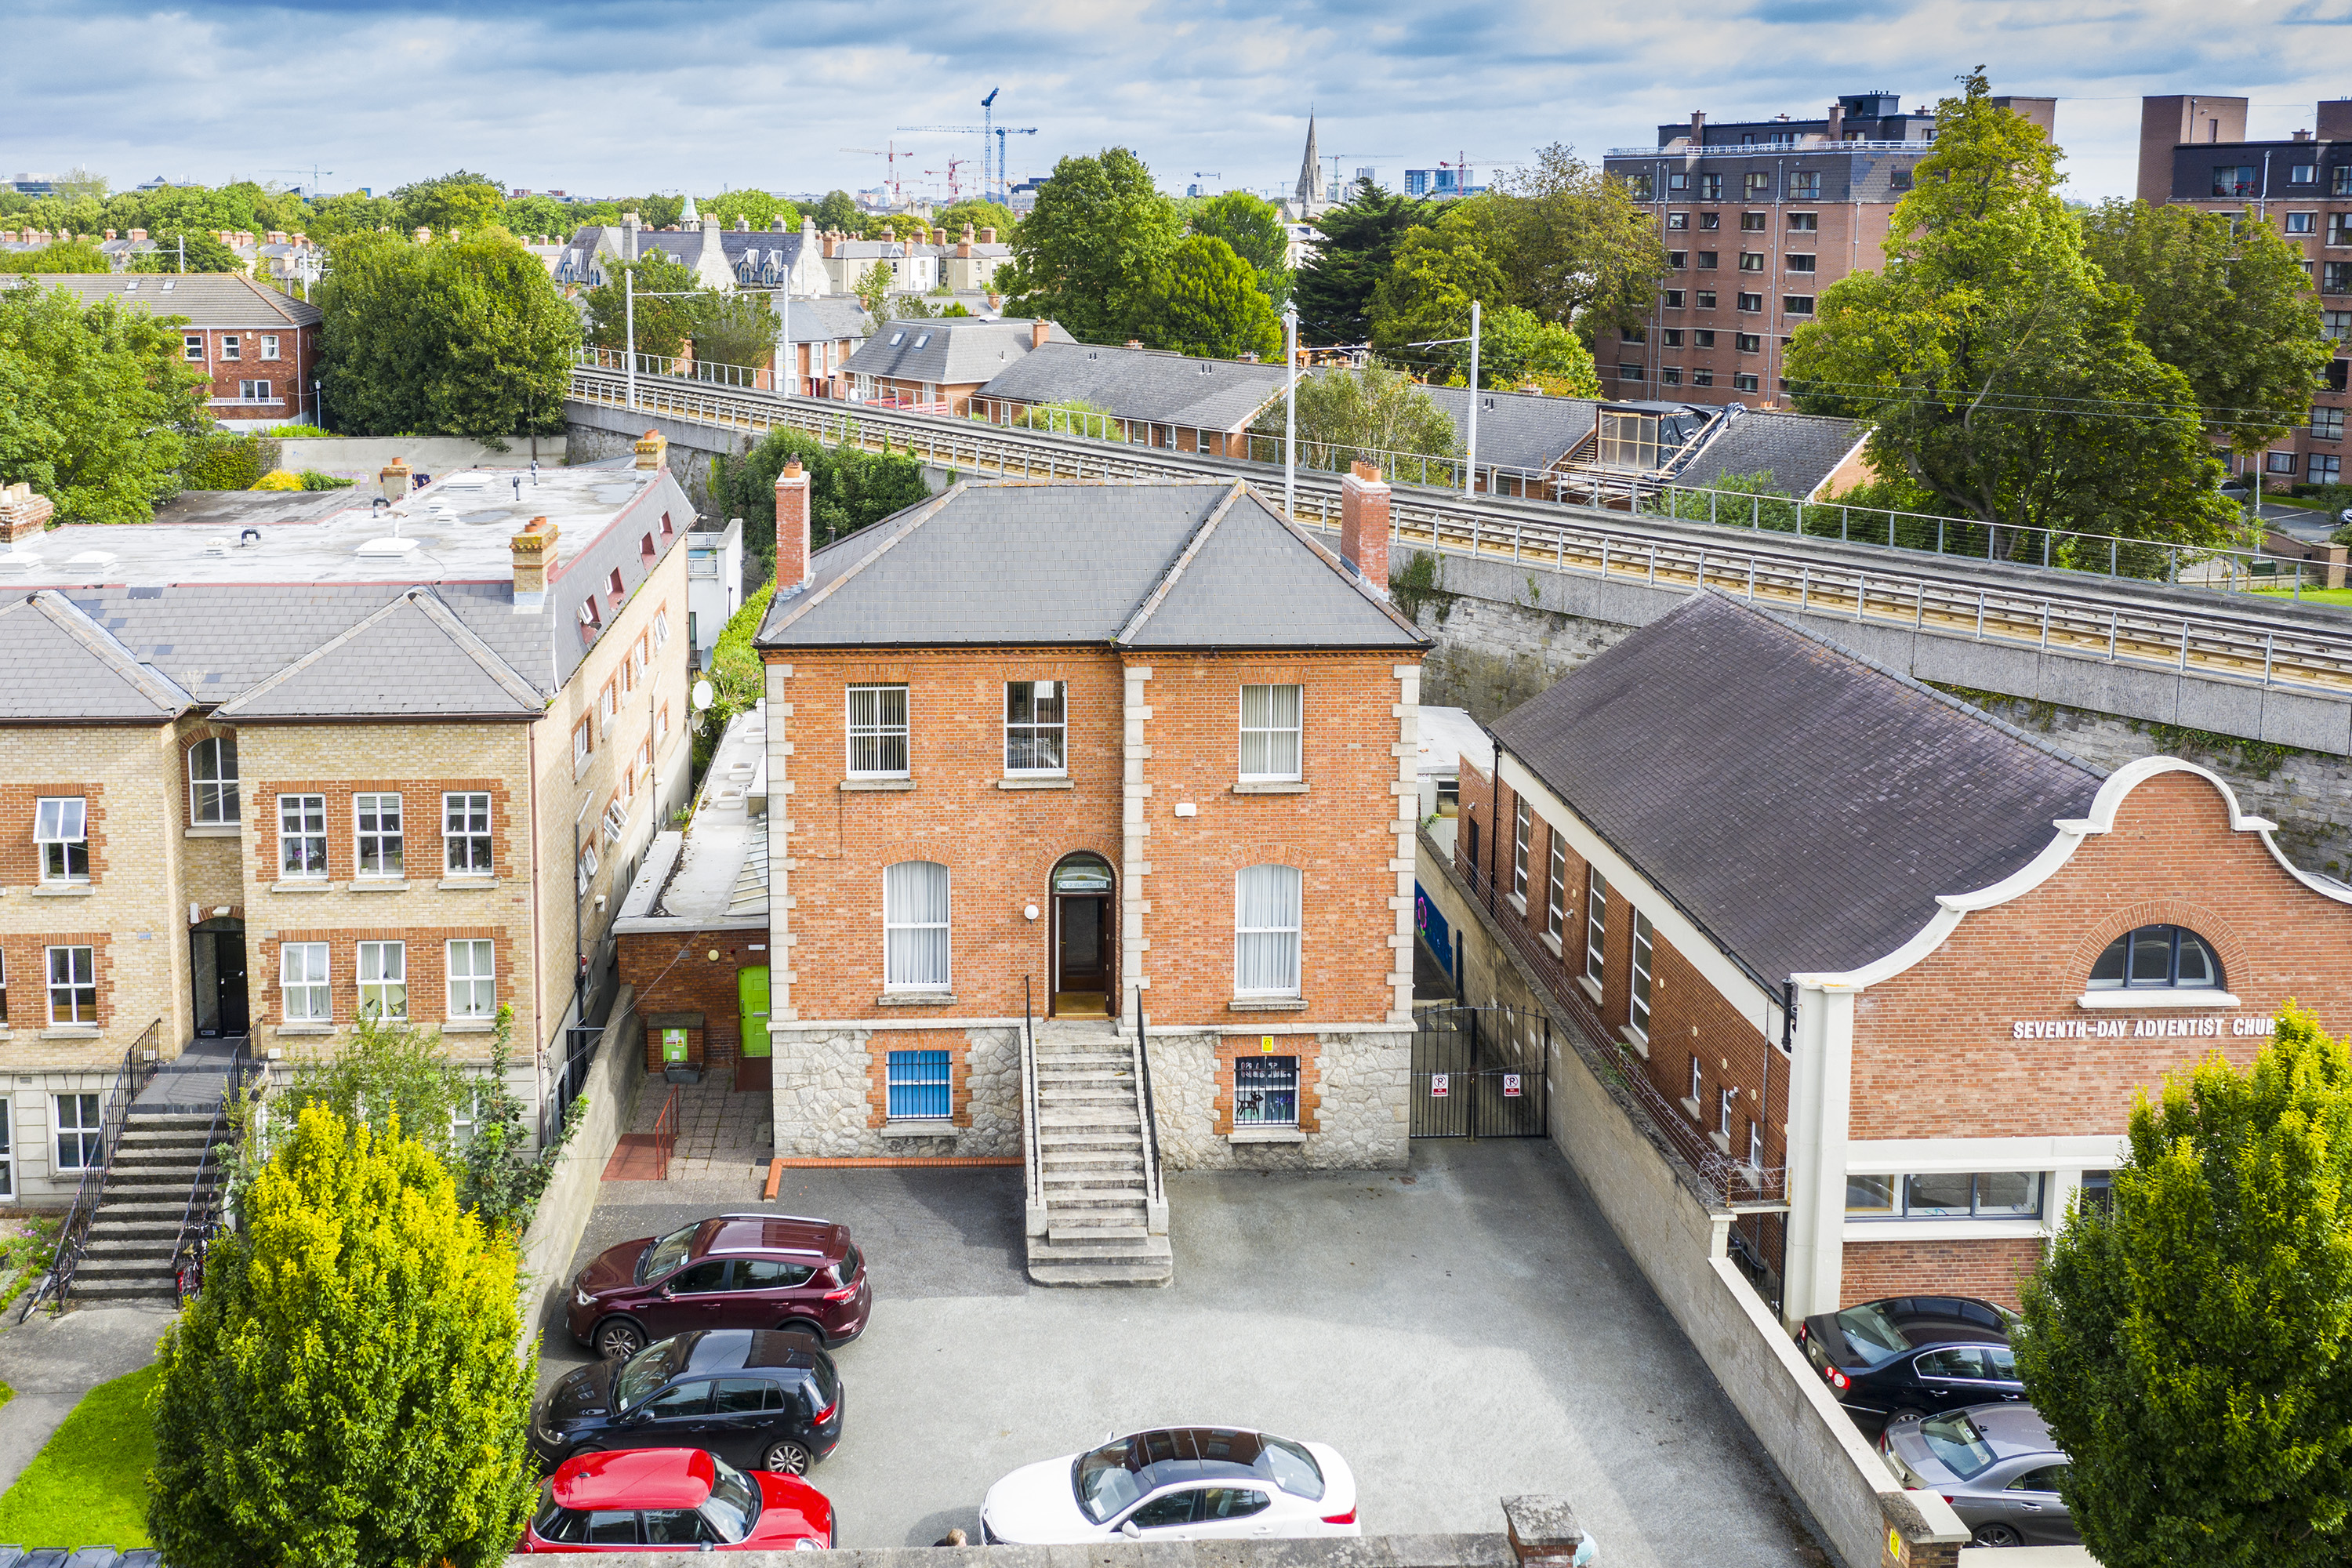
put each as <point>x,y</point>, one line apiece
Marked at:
<point>1479,1072</point>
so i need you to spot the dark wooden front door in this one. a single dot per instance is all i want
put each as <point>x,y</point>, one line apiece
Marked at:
<point>217,972</point>
<point>1082,947</point>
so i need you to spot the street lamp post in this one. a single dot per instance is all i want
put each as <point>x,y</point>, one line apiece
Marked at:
<point>1291,411</point>
<point>629,320</point>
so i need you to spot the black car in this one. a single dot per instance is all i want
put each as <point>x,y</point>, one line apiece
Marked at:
<point>1914,1356</point>
<point>757,1399</point>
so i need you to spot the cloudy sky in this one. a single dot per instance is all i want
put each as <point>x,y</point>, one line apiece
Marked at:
<point>608,98</point>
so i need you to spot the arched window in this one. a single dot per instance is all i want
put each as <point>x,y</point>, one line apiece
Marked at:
<point>1265,931</point>
<point>2157,955</point>
<point>212,780</point>
<point>915,926</point>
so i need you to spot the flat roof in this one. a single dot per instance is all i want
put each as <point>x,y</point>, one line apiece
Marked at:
<point>714,875</point>
<point>1447,736</point>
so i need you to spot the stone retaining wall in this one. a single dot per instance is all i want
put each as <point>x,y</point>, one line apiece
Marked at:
<point>824,1083</point>
<point>1354,1087</point>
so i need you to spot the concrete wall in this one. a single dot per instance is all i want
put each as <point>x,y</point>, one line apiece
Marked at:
<point>555,1232</point>
<point>1677,1239</point>
<point>363,457</point>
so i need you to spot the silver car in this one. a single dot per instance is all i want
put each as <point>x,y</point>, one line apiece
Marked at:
<point>1996,1464</point>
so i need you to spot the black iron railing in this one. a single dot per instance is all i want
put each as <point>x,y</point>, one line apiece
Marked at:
<point>1153,1181</point>
<point>1036,1162</point>
<point>138,1066</point>
<point>200,1220</point>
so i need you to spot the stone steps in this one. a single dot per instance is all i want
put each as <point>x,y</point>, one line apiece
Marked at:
<point>159,1165</point>
<point>1097,1219</point>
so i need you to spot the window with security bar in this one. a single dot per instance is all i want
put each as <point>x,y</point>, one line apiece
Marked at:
<point>920,1089</point>
<point>1265,1092</point>
<point>878,731</point>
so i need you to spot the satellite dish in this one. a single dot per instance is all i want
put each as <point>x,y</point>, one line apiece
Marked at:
<point>703,695</point>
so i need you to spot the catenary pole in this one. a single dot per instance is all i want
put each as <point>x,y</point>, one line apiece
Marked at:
<point>1291,411</point>
<point>629,318</point>
<point>1470,468</point>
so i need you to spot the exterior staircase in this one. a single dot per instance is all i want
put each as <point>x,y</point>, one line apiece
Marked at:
<point>1097,1214</point>
<point>158,1166</point>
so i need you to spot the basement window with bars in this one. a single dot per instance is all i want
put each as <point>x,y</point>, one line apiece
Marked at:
<point>919,1088</point>
<point>1265,1092</point>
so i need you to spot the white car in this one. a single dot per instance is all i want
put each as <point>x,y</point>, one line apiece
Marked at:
<point>1176,1483</point>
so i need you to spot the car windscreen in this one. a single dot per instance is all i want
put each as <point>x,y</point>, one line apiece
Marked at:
<point>1870,1334</point>
<point>668,1252</point>
<point>1954,1440</point>
<point>733,1505</point>
<point>1119,1473</point>
<point>644,1374</point>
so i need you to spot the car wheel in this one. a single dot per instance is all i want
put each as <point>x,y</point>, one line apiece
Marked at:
<point>1998,1534</point>
<point>1895,1416</point>
<point>801,1326</point>
<point>617,1338</point>
<point>786,1458</point>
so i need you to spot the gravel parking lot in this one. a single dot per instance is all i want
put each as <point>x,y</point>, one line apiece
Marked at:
<point>1460,1332</point>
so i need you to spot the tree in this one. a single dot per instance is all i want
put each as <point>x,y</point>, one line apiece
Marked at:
<point>1255,231</point>
<point>1995,367</point>
<point>654,211</point>
<point>1344,415</point>
<point>874,289</point>
<point>1085,257</point>
<point>1205,301</point>
<point>350,213</point>
<point>463,201</point>
<point>79,181</point>
<point>541,215</point>
<point>1582,248</point>
<point>98,410</point>
<point>980,215</point>
<point>837,213</point>
<point>848,489</point>
<point>457,337</point>
<point>2225,301</point>
<point>1334,289</point>
<point>667,304</point>
<point>61,256</point>
<point>1517,348</point>
<point>736,329</point>
<point>185,250</point>
<point>757,208</point>
<point>1436,272</point>
<point>2191,1345</point>
<point>346,1389</point>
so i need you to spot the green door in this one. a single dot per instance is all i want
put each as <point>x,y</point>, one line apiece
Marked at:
<point>751,997</point>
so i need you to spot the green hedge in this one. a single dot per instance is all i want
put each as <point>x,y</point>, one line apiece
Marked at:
<point>222,463</point>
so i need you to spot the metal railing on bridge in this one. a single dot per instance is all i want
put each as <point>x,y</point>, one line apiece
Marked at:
<point>2119,620</point>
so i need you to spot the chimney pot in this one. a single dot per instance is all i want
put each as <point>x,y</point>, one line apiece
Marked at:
<point>1364,524</point>
<point>395,479</point>
<point>23,515</point>
<point>137,234</point>
<point>1038,330</point>
<point>793,571</point>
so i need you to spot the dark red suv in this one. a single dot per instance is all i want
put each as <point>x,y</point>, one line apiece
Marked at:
<point>735,1271</point>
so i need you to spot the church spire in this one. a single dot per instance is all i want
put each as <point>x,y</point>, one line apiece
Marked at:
<point>1312,190</point>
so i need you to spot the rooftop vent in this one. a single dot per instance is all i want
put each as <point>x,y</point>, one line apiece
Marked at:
<point>92,560</point>
<point>391,547</point>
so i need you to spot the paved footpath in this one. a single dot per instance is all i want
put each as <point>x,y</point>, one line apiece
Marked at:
<point>52,1361</point>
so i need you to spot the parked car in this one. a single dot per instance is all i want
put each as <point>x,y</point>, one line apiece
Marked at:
<point>732,1271</point>
<point>1176,1483</point>
<point>675,1497</point>
<point>754,1397</point>
<point>1913,1355</point>
<point>1997,1467</point>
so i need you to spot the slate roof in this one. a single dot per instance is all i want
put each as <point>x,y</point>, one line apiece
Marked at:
<point>1799,450</point>
<point>948,351</point>
<point>1518,429</point>
<point>824,320</point>
<point>1802,804</point>
<point>413,659</point>
<point>216,300</point>
<point>63,665</point>
<point>1141,384</point>
<point>1167,565</point>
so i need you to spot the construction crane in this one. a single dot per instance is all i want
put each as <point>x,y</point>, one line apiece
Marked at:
<point>890,155</point>
<point>313,171</point>
<point>955,187</point>
<point>985,133</point>
<point>1338,158</point>
<point>1208,173</point>
<point>1464,163</point>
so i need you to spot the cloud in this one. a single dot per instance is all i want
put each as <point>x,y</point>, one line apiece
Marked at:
<point>608,98</point>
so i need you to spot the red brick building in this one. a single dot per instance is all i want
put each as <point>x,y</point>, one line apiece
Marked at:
<point>1897,964</point>
<point>1076,751</point>
<point>260,347</point>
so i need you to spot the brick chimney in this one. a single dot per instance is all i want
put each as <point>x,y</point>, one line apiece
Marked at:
<point>110,234</point>
<point>534,559</point>
<point>988,237</point>
<point>1836,132</point>
<point>2303,135</point>
<point>1038,330</point>
<point>23,515</point>
<point>1698,128</point>
<point>652,449</point>
<point>395,479</point>
<point>2335,120</point>
<point>137,235</point>
<point>1364,524</point>
<point>423,235</point>
<point>791,529</point>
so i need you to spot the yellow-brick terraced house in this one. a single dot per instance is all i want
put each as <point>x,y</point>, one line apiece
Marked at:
<point>353,758</point>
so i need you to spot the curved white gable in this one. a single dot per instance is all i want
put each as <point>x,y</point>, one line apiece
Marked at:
<point>2056,853</point>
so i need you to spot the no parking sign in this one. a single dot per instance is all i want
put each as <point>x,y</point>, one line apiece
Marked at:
<point>1510,1086</point>
<point>1437,1086</point>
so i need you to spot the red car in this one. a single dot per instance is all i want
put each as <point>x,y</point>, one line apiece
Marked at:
<point>732,1271</point>
<point>677,1498</point>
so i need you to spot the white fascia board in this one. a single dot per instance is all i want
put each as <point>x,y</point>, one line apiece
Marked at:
<point>1923,1156</point>
<point>1760,1007</point>
<point>1953,1230</point>
<point>2070,834</point>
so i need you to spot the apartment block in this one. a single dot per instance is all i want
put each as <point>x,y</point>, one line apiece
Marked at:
<point>1759,218</point>
<point>2193,151</point>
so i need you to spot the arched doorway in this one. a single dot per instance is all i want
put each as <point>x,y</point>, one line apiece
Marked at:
<point>1085,980</point>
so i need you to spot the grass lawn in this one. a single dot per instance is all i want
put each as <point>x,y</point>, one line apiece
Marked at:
<point>88,1486</point>
<point>2314,596</point>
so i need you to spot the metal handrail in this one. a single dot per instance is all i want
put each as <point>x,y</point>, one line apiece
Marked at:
<point>196,1234</point>
<point>1733,1181</point>
<point>2114,622</point>
<point>1153,1179</point>
<point>666,1135</point>
<point>1036,1160</point>
<point>128,1078</point>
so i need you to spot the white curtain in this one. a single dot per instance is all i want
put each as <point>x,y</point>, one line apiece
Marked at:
<point>1265,931</point>
<point>1270,732</point>
<point>915,925</point>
